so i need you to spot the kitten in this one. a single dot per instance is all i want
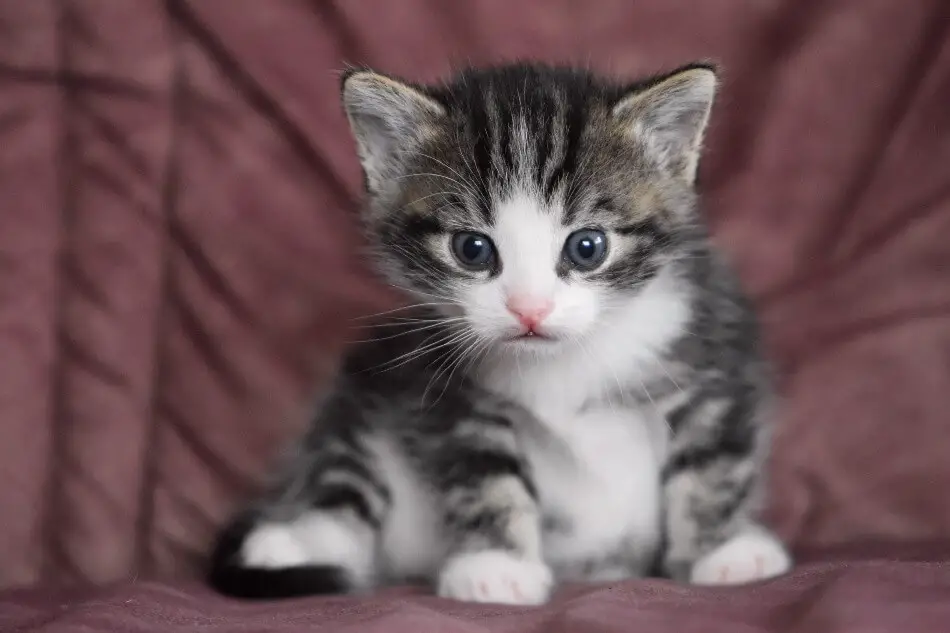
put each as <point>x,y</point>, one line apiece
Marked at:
<point>578,393</point>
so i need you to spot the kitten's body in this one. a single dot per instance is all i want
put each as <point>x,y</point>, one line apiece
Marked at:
<point>491,465</point>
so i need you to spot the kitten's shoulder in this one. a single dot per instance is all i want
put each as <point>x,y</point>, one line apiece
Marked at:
<point>723,329</point>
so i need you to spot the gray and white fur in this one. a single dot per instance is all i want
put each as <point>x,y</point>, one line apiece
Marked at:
<point>576,390</point>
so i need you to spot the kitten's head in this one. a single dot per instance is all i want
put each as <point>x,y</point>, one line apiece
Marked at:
<point>525,200</point>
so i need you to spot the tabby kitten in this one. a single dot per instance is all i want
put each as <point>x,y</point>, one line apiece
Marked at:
<point>577,392</point>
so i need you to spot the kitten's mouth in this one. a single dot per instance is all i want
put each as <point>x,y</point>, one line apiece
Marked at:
<point>530,337</point>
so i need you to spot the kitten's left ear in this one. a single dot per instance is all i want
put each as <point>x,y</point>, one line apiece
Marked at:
<point>672,113</point>
<point>388,119</point>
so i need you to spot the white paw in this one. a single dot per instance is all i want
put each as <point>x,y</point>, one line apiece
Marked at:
<point>495,576</point>
<point>747,557</point>
<point>273,546</point>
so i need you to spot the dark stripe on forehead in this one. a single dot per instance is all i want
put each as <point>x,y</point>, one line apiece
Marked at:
<point>477,119</point>
<point>479,130</point>
<point>574,120</point>
<point>544,135</point>
<point>503,132</point>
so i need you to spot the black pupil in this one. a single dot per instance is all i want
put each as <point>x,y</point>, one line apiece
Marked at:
<point>586,248</point>
<point>473,248</point>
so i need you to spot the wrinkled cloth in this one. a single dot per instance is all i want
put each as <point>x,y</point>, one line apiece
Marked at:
<point>842,598</point>
<point>179,270</point>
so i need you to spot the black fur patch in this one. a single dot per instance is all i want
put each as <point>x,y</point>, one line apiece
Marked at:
<point>228,576</point>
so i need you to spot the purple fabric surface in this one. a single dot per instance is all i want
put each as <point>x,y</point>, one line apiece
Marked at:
<point>178,270</point>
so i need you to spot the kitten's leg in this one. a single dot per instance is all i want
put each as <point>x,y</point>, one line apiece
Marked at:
<point>712,487</point>
<point>315,532</point>
<point>490,511</point>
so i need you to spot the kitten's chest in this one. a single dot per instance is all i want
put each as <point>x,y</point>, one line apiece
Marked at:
<point>597,475</point>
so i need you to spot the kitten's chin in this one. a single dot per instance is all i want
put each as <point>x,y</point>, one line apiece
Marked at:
<point>531,343</point>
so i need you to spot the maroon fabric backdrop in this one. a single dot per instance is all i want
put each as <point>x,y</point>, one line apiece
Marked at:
<point>178,268</point>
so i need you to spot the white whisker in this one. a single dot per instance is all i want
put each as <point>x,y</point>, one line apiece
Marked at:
<point>461,177</point>
<point>400,309</point>
<point>656,358</point>
<point>470,192</point>
<point>424,348</point>
<point>398,334</point>
<point>448,362</point>
<point>653,402</point>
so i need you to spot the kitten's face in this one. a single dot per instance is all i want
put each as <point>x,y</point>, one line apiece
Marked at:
<point>528,203</point>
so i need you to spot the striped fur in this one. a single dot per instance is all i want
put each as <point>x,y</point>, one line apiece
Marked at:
<point>623,433</point>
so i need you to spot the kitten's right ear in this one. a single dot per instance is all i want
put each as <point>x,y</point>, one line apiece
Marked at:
<point>388,119</point>
<point>673,110</point>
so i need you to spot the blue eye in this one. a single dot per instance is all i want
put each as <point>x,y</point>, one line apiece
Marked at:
<point>473,250</point>
<point>586,249</point>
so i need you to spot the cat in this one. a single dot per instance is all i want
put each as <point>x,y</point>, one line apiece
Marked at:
<point>576,391</point>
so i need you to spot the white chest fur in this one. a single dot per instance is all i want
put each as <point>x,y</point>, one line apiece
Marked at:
<point>597,478</point>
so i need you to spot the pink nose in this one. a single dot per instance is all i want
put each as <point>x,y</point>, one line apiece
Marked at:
<point>530,311</point>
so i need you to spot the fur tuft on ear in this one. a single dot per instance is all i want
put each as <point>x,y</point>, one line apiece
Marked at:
<point>388,118</point>
<point>670,113</point>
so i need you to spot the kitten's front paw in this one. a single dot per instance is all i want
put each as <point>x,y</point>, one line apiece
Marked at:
<point>746,557</point>
<point>495,576</point>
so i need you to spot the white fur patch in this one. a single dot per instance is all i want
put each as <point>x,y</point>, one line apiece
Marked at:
<point>411,542</point>
<point>748,557</point>
<point>273,546</point>
<point>495,576</point>
<point>316,538</point>
<point>598,473</point>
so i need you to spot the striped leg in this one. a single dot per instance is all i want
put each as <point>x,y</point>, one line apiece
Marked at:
<point>489,509</point>
<point>711,488</point>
